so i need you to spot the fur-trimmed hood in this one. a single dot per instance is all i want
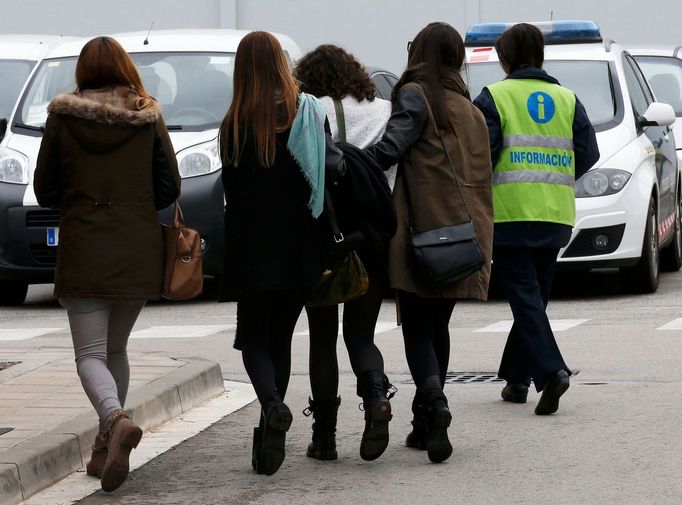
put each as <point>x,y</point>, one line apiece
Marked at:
<point>103,119</point>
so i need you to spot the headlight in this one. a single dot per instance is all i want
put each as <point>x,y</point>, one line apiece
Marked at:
<point>600,182</point>
<point>13,166</point>
<point>200,159</point>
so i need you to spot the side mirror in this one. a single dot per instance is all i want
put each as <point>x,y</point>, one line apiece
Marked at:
<point>658,114</point>
<point>3,128</point>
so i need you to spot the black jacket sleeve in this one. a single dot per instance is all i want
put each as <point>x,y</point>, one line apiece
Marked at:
<point>405,126</point>
<point>165,169</point>
<point>334,162</point>
<point>486,105</point>
<point>47,179</point>
<point>584,141</point>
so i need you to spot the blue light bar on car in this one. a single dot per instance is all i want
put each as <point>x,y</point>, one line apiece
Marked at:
<point>555,32</point>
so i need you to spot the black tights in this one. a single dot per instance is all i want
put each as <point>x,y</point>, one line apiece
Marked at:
<point>359,322</point>
<point>265,325</point>
<point>425,324</point>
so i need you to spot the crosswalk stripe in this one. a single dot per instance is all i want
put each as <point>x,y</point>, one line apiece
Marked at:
<point>557,325</point>
<point>25,333</point>
<point>181,331</point>
<point>675,324</point>
<point>381,327</point>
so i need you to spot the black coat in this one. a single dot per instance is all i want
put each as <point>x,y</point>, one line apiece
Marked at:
<point>272,242</point>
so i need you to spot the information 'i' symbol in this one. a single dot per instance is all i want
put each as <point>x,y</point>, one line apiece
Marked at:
<point>541,107</point>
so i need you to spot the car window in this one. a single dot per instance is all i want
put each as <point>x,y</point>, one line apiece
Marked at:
<point>592,82</point>
<point>193,89</point>
<point>637,94</point>
<point>392,80</point>
<point>384,88</point>
<point>665,77</point>
<point>13,75</point>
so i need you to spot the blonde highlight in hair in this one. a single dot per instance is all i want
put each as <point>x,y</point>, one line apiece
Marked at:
<point>265,99</point>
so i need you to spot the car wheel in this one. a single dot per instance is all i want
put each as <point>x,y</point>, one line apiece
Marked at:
<point>671,256</point>
<point>12,292</point>
<point>643,277</point>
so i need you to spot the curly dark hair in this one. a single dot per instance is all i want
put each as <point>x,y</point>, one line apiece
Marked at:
<point>331,71</point>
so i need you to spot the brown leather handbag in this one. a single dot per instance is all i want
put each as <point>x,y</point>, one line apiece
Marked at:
<point>183,277</point>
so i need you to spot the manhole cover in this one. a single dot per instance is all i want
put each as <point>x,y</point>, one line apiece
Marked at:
<point>5,430</point>
<point>471,378</point>
<point>7,364</point>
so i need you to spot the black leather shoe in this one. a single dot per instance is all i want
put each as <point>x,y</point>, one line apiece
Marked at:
<point>515,393</point>
<point>270,453</point>
<point>557,384</point>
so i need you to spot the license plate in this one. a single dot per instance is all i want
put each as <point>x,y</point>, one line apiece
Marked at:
<point>52,237</point>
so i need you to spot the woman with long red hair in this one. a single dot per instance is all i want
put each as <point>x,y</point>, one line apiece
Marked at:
<point>107,163</point>
<point>273,144</point>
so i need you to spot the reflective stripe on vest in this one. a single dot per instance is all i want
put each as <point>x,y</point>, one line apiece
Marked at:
<point>534,174</point>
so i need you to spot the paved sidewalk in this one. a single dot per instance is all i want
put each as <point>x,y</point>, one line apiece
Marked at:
<point>47,424</point>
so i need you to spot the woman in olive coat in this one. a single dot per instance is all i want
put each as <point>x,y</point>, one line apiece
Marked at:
<point>107,163</point>
<point>430,97</point>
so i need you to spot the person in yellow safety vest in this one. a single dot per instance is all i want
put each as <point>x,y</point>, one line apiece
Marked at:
<point>541,141</point>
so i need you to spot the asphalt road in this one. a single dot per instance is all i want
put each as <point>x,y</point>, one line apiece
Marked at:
<point>615,439</point>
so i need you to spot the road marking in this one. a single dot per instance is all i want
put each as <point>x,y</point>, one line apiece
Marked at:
<point>78,485</point>
<point>557,325</point>
<point>25,333</point>
<point>381,327</point>
<point>675,324</point>
<point>181,331</point>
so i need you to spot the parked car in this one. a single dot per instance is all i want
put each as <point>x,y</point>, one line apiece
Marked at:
<point>190,74</point>
<point>628,204</point>
<point>383,80</point>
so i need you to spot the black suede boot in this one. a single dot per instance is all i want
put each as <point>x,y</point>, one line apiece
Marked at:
<point>439,418</point>
<point>323,446</point>
<point>417,438</point>
<point>373,387</point>
<point>276,421</point>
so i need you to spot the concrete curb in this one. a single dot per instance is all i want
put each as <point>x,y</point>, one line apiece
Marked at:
<point>49,457</point>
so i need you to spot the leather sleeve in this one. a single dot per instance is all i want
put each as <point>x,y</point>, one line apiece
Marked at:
<point>335,164</point>
<point>47,179</point>
<point>165,168</point>
<point>405,126</point>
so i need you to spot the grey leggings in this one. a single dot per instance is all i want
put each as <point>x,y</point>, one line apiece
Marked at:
<point>100,338</point>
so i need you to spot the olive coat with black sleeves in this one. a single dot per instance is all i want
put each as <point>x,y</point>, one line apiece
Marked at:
<point>107,166</point>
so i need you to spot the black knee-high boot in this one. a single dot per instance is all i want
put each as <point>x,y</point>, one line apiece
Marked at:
<point>438,417</point>
<point>373,387</point>
<point>323,445</point>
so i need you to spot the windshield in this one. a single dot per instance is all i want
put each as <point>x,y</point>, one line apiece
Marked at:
<point>665,77</point>
<point>590,80</point>
<point>193,89</point>
<point>13,75</point>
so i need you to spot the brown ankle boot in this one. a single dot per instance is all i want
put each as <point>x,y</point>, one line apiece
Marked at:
<point>122,437</point>
<point>98,458</point>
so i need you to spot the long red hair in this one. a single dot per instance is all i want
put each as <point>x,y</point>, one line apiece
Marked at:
<point>103,62</point>
<point>265,98</point>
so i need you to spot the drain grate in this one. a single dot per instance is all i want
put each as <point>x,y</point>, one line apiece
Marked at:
<point>6,364</point>
<point>5,430</point>
<point>471,378</point>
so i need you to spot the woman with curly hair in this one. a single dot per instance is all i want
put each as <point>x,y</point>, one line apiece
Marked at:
<point>347,92</point>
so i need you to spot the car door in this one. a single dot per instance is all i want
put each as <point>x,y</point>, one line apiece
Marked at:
<point>662,139</point>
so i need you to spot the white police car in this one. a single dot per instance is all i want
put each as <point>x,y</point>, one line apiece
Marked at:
<point>190,74</point>
<point>628,204</point>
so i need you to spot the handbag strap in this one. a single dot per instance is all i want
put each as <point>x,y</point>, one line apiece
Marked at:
<point>452,167</point>
<point>331,216</point>
<point>178,218</point>
<point>340,119</point>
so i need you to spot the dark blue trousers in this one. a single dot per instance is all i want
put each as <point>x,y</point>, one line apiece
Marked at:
<point>531,352</point>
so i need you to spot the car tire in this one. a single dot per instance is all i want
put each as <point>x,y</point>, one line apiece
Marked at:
<point>12,293</point>
<point>671,256</point>
<point>644,276</point>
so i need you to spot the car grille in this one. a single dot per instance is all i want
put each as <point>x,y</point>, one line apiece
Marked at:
<point>42,218</point>
<point>44,255</point>
<point>583,244</point>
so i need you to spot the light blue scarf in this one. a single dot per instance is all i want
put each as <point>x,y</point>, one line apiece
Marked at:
<point>307,146</point>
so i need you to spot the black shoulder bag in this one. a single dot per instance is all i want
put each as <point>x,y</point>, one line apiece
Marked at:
<point>448,253</point>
